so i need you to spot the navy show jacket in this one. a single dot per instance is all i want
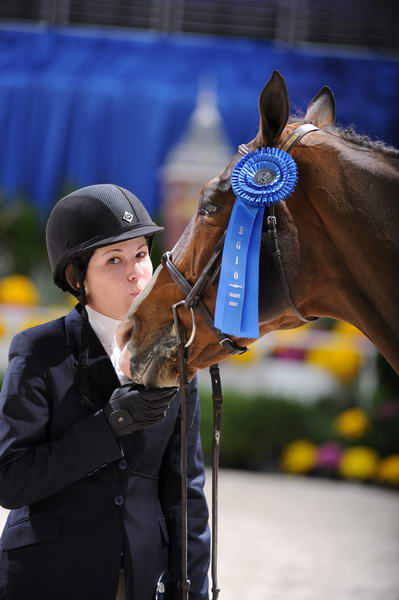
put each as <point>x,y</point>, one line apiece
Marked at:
<point>79,498</point>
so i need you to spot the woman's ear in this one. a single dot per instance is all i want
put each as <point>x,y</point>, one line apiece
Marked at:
<point>71,277</point>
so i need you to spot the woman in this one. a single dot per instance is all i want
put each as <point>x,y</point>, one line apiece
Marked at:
<point>89,463</point>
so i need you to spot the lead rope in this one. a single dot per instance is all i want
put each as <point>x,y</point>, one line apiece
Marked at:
<point>182,366</point>
<point>217,398</point>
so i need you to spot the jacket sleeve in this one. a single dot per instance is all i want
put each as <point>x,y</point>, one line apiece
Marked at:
<point>32,466</point>
<point>170,487</point>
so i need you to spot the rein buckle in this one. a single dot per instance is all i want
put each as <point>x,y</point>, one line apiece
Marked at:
<point>232,347</point>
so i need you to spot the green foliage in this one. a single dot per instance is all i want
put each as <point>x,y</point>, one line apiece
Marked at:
<point>319,418</point>
<point>384,436</point>
<point>388,381</point>
<point>22,245</point>
<point>254,430</point>
<point>384,433</point>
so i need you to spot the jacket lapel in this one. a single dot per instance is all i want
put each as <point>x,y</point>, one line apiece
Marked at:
<point>102,376</point>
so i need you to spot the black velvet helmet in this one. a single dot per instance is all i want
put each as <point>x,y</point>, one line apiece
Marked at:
<point>91,217</point>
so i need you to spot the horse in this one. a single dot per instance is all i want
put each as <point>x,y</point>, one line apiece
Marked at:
<point>338,238</point>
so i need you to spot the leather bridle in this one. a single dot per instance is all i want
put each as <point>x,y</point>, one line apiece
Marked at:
<point>193,302</point>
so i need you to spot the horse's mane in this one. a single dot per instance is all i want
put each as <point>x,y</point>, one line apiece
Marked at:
<point>349,134</point>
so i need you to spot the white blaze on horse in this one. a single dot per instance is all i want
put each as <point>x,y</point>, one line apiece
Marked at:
<point>338,236</point>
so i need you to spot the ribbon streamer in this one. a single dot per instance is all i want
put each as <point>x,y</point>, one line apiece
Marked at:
<point>261,178</point>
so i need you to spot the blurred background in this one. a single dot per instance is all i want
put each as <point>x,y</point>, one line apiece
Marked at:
<point>155,95</point>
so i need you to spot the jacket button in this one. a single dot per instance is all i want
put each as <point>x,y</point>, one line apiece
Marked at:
<point>119,500</point>
<point>123,464</point>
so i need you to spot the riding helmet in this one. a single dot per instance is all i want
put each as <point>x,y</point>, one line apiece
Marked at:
<point>91,217</point>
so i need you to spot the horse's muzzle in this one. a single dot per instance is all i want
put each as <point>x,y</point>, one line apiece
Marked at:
<point>155,364</point>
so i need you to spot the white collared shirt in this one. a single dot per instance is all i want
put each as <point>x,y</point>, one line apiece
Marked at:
<point>104,328</point>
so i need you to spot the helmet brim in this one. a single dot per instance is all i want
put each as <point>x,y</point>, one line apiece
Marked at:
<point>134,232</point>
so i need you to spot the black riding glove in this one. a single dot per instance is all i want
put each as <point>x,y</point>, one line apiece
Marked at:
<point>133,407</point>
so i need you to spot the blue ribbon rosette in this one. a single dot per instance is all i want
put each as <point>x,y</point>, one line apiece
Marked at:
<point>261,178</point>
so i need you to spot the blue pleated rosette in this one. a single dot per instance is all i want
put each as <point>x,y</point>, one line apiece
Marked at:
<point>261,178</point>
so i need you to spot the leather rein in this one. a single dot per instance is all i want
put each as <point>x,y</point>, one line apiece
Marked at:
<point>193,302</point>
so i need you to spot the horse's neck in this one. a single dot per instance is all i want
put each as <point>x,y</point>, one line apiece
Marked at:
<point>361,219</point>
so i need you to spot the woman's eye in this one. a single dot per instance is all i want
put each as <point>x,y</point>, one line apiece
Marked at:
<point>141,255</point>
<point>114,260</point>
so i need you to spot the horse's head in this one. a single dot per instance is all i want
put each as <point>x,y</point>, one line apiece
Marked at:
<point>151,352</point>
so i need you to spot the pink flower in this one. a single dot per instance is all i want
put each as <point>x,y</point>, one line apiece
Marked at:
<point>329,455</point>
<point>388,409</point>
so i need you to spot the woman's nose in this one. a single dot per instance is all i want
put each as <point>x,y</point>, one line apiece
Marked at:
<point>133,271</point>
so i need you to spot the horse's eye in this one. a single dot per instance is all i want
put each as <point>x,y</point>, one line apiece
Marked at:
<point>207,209</point>
<point>203,211</point>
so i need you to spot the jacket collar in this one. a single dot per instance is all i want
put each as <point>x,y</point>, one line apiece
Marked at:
<point>100,370</point>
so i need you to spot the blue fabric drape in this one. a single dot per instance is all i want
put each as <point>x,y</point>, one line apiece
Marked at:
<point>88,106</point>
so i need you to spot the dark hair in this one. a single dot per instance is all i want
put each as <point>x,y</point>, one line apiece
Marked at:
<point>75,272</point>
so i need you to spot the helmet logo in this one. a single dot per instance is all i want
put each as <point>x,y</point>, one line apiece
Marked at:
<point>128,217</point>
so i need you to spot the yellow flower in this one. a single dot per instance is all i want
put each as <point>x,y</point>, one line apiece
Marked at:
<point>3,328</point>
<point>33,322</point>
<point>284,337</point>
<point>358,462</point>
<point>243,359</point>
<point>340,357</point>
<point>388,470</point>
<point>352,423</point>
<point>299,457</point>
<point>71,300</point>
<point>18,289</point>
<point>342,327</point>
<point>40,317</point>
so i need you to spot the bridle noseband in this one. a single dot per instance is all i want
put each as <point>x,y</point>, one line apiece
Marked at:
<point>193,302</point>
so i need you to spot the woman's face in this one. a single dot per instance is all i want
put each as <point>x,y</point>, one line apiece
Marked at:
<point>116,275</point>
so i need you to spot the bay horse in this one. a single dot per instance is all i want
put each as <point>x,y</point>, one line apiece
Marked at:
<point>339,242</point>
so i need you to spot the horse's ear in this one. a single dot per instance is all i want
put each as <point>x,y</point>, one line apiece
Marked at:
<point>321,110</point>
<point>273,109</point>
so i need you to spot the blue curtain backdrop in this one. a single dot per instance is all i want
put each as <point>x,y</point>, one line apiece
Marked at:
<point>88,106</point>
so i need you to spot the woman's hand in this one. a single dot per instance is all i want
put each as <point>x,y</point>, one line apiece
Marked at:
<point>132,407</point>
